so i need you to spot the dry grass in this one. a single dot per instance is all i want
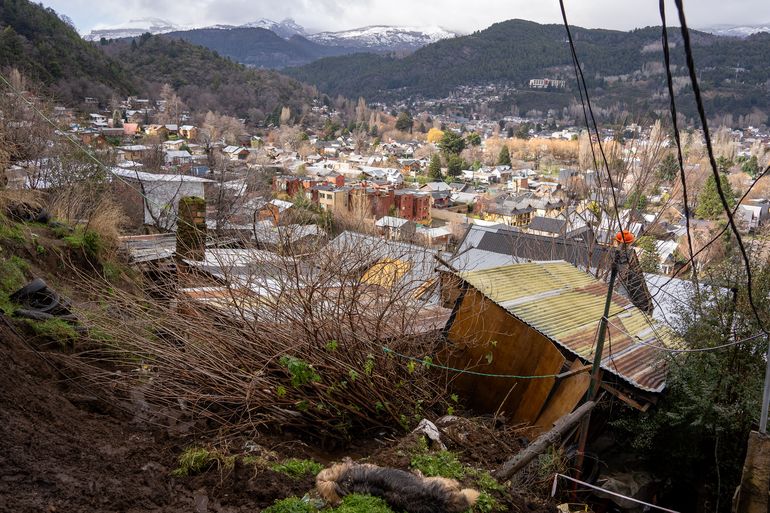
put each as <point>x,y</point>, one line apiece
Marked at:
<point>287,343</point>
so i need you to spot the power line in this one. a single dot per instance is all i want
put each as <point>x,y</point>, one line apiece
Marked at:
<point>675,125</point>
<point>710,150</point>
<point>691,260</point>
<point>581,82</point>
<point>691,350</point>
<point>428,362</point>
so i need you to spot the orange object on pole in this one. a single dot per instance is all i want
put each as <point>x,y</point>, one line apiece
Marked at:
<point>624,237</point>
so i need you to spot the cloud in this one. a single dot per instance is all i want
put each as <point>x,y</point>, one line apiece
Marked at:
<point>459,15</point>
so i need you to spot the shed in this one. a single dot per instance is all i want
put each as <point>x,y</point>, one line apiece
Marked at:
<point>541,319</point>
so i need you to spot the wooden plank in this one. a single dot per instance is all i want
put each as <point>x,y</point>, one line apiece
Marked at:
<point>489,339</point>
<point>568,393</point>
<point>626,398</point>
<point>562,426</point>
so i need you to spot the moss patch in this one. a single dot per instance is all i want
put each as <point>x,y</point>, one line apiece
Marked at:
<point>297,469</point>
<point>54,329</point>
<point>356,503</point>
<point>196,460</point>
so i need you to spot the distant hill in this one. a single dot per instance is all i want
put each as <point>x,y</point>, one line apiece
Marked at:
<point>45,48</point>
<point>621,66</point>
<point>48,50</point>
<point>205,80</point>
<point>738,30</point>
<point>259,47</point>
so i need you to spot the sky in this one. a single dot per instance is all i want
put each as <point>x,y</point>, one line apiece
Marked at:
<point>462,16</point>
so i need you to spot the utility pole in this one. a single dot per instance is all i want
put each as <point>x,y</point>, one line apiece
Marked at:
<point>765,394</point>
<point>623,238</point>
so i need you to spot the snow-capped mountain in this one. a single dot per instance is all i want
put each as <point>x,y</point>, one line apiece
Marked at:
<point>375,38</point>
<point>133,28</point>
<point>285,28</point>
<point>383,37</point>
<point>738,30</point>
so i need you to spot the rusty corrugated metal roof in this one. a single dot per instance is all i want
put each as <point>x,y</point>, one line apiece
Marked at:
<point>566,304</point>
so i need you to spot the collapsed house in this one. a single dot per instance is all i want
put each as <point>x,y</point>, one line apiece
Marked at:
<point>540,319</point>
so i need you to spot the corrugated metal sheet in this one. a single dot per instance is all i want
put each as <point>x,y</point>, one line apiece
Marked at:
<point>566,304</point>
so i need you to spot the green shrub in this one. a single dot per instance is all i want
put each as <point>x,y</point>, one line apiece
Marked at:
<point>356,503</point>
<point>194,461</point>
<point>487,504</point>
<point>297,469</point>
<point>12,274</point>
<point>300,371</point>
<point>87,240</point>
<point>442,463</point>
<point>10,230</point>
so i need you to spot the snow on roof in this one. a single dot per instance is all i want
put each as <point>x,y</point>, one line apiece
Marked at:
<point>390,222</point>
<point>153,177</point>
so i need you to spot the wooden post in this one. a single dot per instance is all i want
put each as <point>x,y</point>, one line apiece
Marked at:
<point>560,427</point>
<point>753,494</point>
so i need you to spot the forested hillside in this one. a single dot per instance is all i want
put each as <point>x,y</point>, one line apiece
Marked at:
<point>206,81</point>
<point>45,48</point>
<point>259,47</point>
<point>517,51</point>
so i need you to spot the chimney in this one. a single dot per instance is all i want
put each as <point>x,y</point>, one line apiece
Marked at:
<point>191,228</point>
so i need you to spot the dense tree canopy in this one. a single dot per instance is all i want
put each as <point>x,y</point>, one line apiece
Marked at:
<point>709,203</point>
<point>451,143</point>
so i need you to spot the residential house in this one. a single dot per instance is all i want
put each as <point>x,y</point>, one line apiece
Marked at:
<point>177,157</point>
<point>666,251</point>
<point>332,199</point>
<point>483,246</point>
<point>277,211</point>
<point>236,153</point>
<point>395,228</point>
<point>412,205</point>
<point>753,214</point>
<point>388,264</point>
<point>188,132</point>
<point>135,152</point>
<point>290,185</point>
<point>152,199</point>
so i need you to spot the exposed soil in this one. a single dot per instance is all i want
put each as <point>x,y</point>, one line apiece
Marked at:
<point>62,449</point>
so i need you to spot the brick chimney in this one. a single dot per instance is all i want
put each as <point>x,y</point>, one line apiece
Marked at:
<point>191,228</point>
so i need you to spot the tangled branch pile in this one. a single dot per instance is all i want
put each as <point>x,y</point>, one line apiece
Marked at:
<point>288,341</point>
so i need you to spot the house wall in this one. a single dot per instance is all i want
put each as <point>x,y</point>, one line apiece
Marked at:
<point>163,200</point>
<point>488,338</point>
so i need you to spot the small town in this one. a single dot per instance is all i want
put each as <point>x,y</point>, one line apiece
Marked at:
<point>230,284</point>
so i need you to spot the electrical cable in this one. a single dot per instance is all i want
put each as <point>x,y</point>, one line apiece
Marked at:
<point>429,363</point>
<point>710,150</point>
<point>677,139</point>
<point>693,350</point>
<point>587,104</point>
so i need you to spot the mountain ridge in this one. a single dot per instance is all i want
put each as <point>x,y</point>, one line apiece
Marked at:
<point>625,67</point>
<point>377,38</point>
